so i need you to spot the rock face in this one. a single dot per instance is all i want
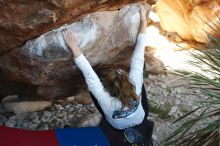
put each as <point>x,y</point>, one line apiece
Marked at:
<point>25,106</point>
<point>25,19</point>
<point>191,19</point>
<point>13,104</point>
<point>45,64</point>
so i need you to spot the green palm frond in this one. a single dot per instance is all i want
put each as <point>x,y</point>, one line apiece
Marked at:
<point>206,78</point>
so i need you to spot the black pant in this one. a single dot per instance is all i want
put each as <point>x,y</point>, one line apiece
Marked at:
<point>116,137</point>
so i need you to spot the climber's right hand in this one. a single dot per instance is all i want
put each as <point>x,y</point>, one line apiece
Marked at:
<point>70,40</point>
<point>143,19</point>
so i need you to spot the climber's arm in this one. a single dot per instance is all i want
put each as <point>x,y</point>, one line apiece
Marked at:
<point>93,82</point>
<point>137,61</point>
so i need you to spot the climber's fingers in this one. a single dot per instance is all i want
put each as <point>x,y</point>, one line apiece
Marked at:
<point>143,14</point>
<point>69,36</point>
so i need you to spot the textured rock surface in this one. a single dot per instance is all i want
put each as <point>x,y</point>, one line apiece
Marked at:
<point>167,103</point>
<point>189,18</point>
<point>60,115</point>
<point>25,19</point>
<point>89,120</point>
<point>25,106</point>
<point>45,64</point>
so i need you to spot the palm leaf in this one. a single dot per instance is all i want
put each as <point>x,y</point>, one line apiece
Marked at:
<point>207,80</point>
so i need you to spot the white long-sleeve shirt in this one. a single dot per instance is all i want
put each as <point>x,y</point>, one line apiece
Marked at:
<point>111,104</point>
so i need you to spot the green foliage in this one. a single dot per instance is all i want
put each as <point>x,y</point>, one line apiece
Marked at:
<point>206,77</point>
<point>163,112</point>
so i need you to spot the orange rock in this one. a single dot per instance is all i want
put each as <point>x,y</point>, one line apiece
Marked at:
<point>191,19</point>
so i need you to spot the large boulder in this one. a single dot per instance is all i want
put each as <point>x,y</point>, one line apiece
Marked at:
<point>25,19</point>
<point>45,65</point>
<point>191,19</point>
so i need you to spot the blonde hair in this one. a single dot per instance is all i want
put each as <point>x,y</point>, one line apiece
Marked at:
<point>116,81</point>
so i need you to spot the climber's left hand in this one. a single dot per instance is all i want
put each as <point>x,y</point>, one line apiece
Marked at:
<point>71,41</point>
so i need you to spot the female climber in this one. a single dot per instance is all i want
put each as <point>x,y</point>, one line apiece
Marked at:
<point>117,94</point>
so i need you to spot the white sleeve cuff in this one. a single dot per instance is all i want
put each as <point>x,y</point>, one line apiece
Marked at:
<point>77,59</point>
<point>83,64</point>
<point>142,37</point>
